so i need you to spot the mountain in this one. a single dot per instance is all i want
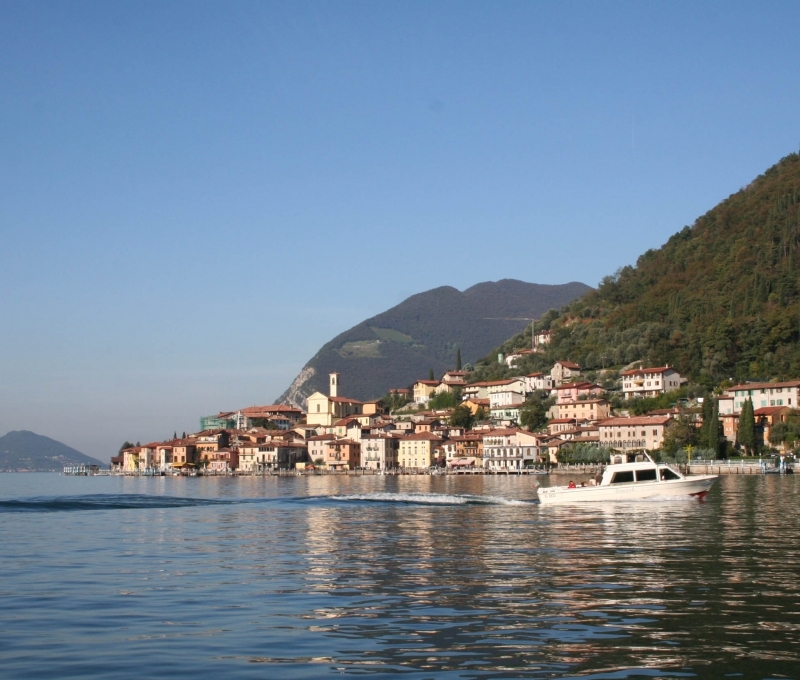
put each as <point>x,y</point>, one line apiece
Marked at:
<point>24,451</point>
<point>425,332</point>
<point>720,300</point>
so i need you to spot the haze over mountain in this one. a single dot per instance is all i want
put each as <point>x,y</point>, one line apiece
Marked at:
<point>26,451</point>
<point>425,332</point>
<point>720,300</point>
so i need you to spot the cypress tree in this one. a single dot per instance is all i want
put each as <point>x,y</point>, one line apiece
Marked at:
<point>430,374</point>
<point>747,427</point>
<point>458,359</point>
<point>713,429</point>
<point>708,414</point>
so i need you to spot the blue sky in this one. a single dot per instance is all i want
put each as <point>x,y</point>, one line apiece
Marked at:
<point>196,196</point>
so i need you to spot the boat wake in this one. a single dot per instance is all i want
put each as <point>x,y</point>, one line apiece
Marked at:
<point>103,502</point>
<point>430,499</point>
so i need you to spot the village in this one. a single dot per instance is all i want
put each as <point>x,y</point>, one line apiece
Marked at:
<point>483,432</point>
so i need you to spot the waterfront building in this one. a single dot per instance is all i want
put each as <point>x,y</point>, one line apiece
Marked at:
<point>342,454</point>
<point>642,432</point>
<point>379,452</point>
<point>417,450</point>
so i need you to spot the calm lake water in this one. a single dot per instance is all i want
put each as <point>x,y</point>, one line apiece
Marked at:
<point>419,577</point>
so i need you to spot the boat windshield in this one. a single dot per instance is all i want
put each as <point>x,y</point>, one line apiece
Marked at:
<point>667,474</point>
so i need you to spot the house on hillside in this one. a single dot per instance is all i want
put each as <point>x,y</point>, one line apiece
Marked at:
<point>564,371</point>
<point>516,355</point>
<point>539,382</point>
<point>573,391</point>
<point>649,382</point>
<point>586,409</point>
<point>763,395</point>
<point>423,390</point>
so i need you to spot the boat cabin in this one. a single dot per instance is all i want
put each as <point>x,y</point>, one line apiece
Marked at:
<point>630,468</point>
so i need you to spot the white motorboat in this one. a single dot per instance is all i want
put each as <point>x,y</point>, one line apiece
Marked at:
<point>630,477</point>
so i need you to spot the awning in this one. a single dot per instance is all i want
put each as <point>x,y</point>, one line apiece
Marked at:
<point>462,462</point>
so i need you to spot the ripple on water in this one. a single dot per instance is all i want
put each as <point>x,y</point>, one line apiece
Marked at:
<point>421,576</point>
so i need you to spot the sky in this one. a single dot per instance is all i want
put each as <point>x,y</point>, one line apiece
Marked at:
<point>196,196</point>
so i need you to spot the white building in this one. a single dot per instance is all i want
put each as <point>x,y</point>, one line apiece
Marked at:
<point>762,394</point>
<point>539,381</point>
<point>649,382</point>
<point>502,450</point>
<point>379,451</point>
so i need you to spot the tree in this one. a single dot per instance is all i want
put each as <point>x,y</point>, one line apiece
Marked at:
<point>747,428</point>
<point>462,417</point>
<point>712,434</point>
<point>680,434</point>
<point>126,445</point>
<point>708,414</point>
<point>458,359</point>
<point>533,415</point>
<point>444,400</point>
<point>480,414</point>
<point>430,374</point>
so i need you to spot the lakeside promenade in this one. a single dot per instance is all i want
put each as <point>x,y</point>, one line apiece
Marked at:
<point>717,467</point>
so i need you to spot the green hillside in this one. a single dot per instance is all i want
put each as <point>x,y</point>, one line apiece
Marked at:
<point>720,300</point>
<point>425,332</point>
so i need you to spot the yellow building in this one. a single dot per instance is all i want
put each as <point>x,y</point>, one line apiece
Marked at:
<point>326,410</point>
<point>417,450</point>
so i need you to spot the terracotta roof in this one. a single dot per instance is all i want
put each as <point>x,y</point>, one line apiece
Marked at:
<point>274,408</point>
<point>429,436</point>
<point>769,410</point>
<point>345,421</point>
<point>662,369</point>
<point>344,400</point>
<point>579,385</point>
<point>426,382</point>
<point>321,437</point>
<point>762,386</point>
<point>634,422</point>
<point>568,364</point>
<point>562,420</point>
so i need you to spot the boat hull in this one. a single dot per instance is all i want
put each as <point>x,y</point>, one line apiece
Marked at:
<point>696,485</point>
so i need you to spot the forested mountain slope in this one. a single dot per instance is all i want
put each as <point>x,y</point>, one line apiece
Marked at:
<point>720,300</point>
<point>425,332</point>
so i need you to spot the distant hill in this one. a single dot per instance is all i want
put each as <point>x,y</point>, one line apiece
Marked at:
<point>24,451</point>
<point>425,331</point>
<point>720,300</point>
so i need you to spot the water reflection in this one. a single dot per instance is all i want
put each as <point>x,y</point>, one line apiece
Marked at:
<point>364,575</point>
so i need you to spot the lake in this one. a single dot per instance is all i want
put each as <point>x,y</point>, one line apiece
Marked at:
<point>414,577</point>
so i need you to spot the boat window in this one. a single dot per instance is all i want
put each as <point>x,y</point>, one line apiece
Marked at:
<point>666,474</point>
<point>646,475</point>
<point>622,477</point>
